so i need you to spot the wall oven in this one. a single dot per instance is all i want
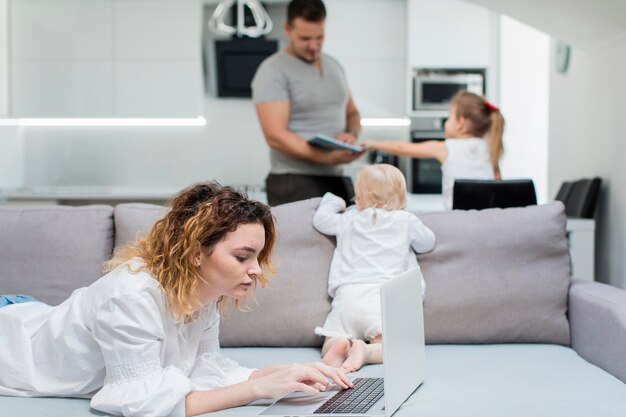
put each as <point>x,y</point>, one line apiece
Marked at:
<point>425,174</point>
<point>433,88</point>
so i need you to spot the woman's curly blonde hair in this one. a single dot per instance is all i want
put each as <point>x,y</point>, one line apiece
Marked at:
<point>202,214</point>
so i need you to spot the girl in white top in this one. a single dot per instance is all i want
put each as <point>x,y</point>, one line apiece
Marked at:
<point>376,241</point>
<point>143,339</point>
<point>473,145</point>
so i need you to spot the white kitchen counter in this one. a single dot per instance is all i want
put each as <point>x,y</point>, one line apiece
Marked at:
<point>79,195</point>
<point>424,203</point>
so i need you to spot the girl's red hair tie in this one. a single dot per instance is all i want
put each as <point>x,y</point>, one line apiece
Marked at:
<point>490,106</point>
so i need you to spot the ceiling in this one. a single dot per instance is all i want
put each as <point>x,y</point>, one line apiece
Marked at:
<point>585,24</point>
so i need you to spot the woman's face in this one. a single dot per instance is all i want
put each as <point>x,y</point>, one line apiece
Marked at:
<point>230,269</point>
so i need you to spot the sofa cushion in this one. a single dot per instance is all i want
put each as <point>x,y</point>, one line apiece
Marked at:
<point>134,220</point>
<point>49,251</point>
<point>497,276</point>
<point>296,299</point>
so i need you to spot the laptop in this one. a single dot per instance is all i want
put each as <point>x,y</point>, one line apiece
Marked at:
<point>388,386</point>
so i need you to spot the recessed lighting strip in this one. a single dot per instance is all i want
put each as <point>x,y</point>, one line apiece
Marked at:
<point>142,122</point>
<point>105,122</point>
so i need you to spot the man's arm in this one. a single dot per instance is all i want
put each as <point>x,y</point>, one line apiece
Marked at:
<point>274,119</point>
<point>353,123</point>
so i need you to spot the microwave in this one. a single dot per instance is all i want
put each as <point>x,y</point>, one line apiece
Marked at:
<point>434,88</point>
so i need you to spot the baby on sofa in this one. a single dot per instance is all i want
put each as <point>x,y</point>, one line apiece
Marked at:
<point>376,240</point>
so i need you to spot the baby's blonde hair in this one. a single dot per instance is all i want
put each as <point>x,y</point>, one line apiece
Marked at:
<point>380,186</point>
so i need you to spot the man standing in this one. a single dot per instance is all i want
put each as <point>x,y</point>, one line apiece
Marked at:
<point>300,92</point>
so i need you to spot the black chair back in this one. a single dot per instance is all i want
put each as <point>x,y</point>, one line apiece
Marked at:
<point>581,199</point>
<point>564,191</point>
<point>481,194</point>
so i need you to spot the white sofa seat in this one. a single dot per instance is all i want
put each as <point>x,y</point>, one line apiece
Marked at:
<point>513,380</point>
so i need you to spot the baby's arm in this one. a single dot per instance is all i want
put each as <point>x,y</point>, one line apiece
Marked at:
<point>429,149</point>
<point>327,218</point>
<point>422,238</point>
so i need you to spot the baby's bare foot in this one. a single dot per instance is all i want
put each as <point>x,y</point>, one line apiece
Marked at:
<point>337,353</point>
<point>356,356</point>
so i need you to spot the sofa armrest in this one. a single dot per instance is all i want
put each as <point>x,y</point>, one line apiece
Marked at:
<point>597,315</point>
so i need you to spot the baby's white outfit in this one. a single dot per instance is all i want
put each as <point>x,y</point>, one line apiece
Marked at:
<point>117,343</point>
<point>373,246</point>
<point>467,158</point>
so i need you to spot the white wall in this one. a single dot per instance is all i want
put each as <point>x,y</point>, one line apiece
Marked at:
<point>585,24</point>
<point>587,110</point>
<point>524,98</point>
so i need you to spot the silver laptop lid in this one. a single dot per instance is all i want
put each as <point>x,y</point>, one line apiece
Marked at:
<point>404,352</point>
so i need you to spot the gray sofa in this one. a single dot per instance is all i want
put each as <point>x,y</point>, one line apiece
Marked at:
<point>508,332</point>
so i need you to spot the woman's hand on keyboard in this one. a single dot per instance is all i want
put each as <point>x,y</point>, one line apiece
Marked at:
<point>337,375</point>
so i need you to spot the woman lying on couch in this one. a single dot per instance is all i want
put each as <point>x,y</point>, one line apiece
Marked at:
<point>143,339</point>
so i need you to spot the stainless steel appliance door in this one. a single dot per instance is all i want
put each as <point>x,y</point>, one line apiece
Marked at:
<point>433,89</point>
<point>426,173</point>
<point>426,176</point>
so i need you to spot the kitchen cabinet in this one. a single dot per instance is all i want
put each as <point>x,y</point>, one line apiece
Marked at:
<point>104,58</point>
<point>451,34</point>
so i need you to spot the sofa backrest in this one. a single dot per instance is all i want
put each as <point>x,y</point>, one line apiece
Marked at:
<point>134,220</point>
<point>49,251</point>
<point>495,276</point>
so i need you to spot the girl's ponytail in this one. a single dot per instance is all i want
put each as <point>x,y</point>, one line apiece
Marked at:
<point>496,130</point>
<point>485,121</point>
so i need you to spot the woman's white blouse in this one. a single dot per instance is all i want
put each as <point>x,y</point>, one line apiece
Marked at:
<point>116,342</point>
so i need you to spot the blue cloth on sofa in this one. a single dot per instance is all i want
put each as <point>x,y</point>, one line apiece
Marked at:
<point>6,300</point>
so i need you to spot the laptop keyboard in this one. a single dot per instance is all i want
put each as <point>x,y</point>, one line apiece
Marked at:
<point>357,400</point>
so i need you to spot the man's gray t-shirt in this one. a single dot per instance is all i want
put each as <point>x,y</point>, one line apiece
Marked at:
<point>317,102</point>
